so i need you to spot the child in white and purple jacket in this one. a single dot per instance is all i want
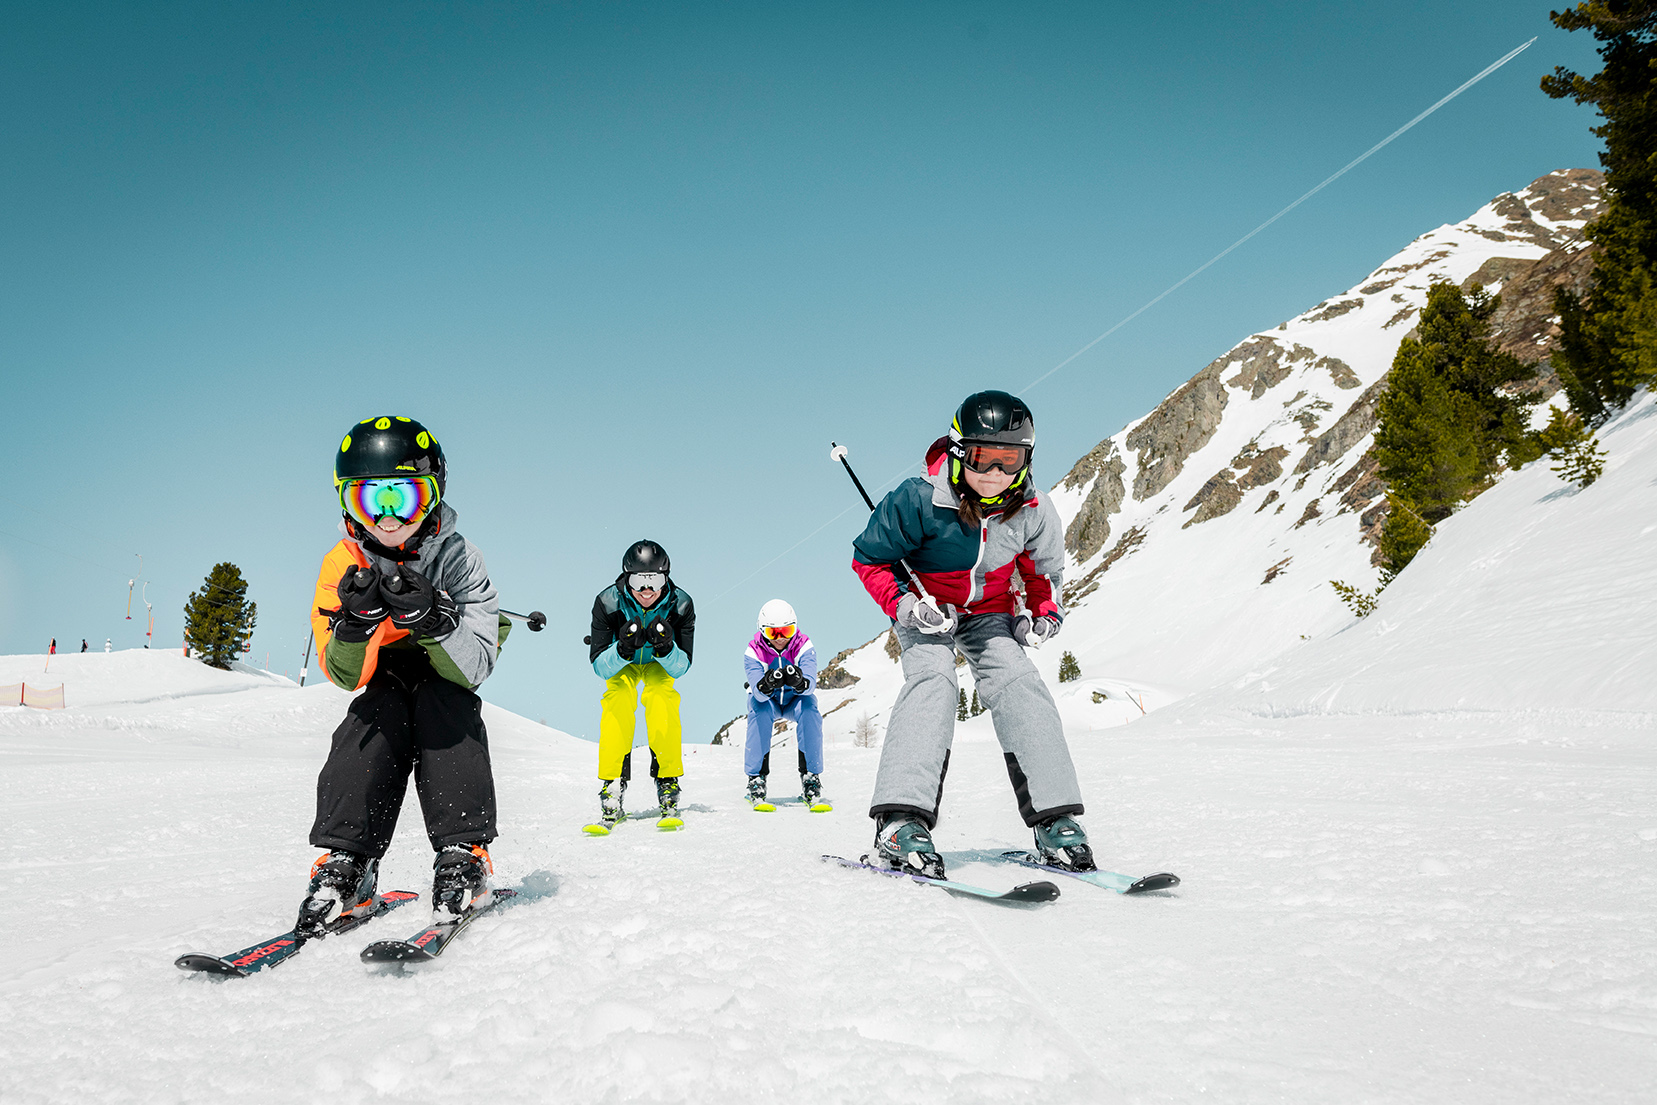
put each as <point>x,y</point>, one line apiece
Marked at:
<point>782,680</point>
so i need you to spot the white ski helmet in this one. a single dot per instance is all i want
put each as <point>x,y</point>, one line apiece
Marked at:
<point>775,613</point>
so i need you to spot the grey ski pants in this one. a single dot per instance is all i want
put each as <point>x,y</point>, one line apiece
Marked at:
<point>922,727</point>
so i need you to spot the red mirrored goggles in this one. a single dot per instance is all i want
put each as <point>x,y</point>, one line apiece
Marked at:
<point>1011,459</point>
<point>778,632</point>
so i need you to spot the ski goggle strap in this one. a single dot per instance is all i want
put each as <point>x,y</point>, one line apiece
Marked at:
<point>647,581</point>
<point>407,498</point>
<point>1009,458</point>
<point>778,632</point>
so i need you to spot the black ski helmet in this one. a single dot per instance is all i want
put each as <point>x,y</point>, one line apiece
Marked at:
<point>390,445</point>
<point>645,556</point>
<point>991,418</point>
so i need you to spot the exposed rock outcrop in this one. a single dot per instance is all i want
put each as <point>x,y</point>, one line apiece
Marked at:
<point>833,676</point>
<point>1090,529</point>
<point>1255,467</point>
<point>1180,425</point>
<point>1349,429</point>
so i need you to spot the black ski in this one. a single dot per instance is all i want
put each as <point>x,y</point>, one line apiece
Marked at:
<point>279,949</point>
<point>1110,880</point>
<point>1030,893</point>
<point>429,942</point>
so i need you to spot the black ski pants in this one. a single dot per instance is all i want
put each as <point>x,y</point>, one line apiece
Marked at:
<point>408,718</point>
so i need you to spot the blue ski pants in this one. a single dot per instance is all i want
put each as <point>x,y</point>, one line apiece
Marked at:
<point>764,713</point>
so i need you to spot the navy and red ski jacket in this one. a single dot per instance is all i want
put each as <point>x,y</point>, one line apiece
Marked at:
<point>970,569</point>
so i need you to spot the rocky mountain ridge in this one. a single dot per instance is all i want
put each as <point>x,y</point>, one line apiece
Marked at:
<point>1253,484</point>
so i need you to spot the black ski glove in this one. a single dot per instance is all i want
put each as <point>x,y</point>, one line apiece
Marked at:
<point>770,682</point>
<point>659,635</point>
<point>630,640</point>
<point>361,606</point>
<point>417,606</point>
<point>794,679</point>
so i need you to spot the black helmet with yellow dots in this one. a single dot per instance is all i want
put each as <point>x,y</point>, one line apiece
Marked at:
<point>387,447</point>
<point>390,467</point>
<point>992,429</point>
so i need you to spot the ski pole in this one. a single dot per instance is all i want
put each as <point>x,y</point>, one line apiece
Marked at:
<point>534,619</point>
<point>838,452</point>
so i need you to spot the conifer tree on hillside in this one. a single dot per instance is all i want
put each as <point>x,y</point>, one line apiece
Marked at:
<point>961,706</point>
<point>1445,420</point>
<point>218,619</point>
<point>1608,340</point>
<point>1069,669</point>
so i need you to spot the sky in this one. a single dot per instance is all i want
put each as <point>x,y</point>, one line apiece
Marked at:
<point>636,264</point>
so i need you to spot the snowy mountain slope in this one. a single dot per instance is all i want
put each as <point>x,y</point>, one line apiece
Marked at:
<point>1203,536</point>
<point>1537,595</point>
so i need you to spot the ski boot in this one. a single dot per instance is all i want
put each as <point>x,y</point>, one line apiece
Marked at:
<point>610,794</point>
<point>903,844</point>
<point>1062,843</point>
<point>811,792</point>
<point>667,793</point>
<point>460,881</point>
<point>342,885</point>
<point>756,795</point>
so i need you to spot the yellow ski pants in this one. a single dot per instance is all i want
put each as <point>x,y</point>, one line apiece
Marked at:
<point>622,693</point>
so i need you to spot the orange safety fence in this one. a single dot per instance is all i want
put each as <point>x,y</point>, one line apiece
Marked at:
<point>48,698</point>
<point>11,694</point>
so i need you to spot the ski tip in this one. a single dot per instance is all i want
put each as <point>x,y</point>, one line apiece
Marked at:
<point>1031,893</point>
<point>764,807</point>
<point>394,951</point>
<point>823,807</point>
<point>208,964</point>
<point>1160,881</point>
<point>670,824</point>
<point>596,830</point>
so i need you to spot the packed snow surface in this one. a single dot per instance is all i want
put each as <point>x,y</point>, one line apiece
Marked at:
<point>1418,859</point>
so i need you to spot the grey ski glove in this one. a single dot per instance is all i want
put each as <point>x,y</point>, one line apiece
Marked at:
<point>923,615</point>
<point>1034,634</point>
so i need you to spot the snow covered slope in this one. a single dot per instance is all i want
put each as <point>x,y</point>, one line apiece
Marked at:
<point>1404,906</point>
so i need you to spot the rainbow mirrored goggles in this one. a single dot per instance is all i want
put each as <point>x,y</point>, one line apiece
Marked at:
<point>406,498</point>
<point>778,632</point>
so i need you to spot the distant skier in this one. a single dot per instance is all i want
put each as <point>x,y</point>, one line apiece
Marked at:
<point>405,611</point>
<point>83,644</point>
<point>108,644</point>
<point>782,680</point>
<point>643,631</point>
<point>964,528</point>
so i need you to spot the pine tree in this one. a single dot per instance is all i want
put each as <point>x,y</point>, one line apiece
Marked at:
<point>1402,536</point>
<point>218,619</point>
<point>1445,420</point>
<point>976,709</point>
<point>961,706</point>
<point>1573,447</point>
<point>1608,341</point>
<point>1069,670</point>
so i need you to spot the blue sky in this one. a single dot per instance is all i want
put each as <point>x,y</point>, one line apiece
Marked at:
<point>636,264</point>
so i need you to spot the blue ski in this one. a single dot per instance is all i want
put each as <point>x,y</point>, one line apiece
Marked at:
<point>1110,880</point>
<point>1030,893</point>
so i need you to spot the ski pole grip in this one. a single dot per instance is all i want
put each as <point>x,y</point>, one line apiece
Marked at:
<point>838,452</point>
